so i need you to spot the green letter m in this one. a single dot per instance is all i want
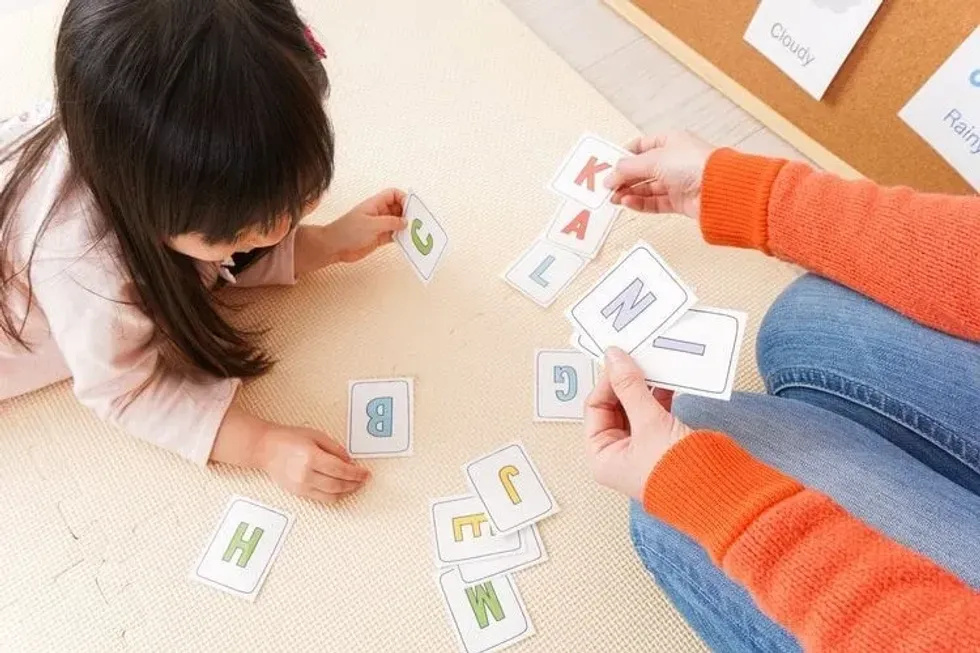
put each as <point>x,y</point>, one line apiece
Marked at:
<point>481,598</point>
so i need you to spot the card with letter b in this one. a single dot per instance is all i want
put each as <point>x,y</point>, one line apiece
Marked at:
<point>242,548</point>
<point>379,421</point>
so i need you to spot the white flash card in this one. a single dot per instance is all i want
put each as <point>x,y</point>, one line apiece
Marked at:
<point>486,616</point>
<point>581,175</point>
<point>462,532</point>
<point>584,344</point>
<point>698,355</point>
<point>379,418</point>
<point>532,553</point>
<point>510,487</point>
<point>242,548</point>
<point>543,271</point>
<point>580,229</point>
<point>638,298</point>
<point>563,378</point>
<point>423,241</point>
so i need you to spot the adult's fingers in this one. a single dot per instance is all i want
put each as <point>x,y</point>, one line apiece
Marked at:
<point>629,384</point>
<point>632,169</point>
<point>602,409</point>
<point>654,204</point>
<point>649,142</point>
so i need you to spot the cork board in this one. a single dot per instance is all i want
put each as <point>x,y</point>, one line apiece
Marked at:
<point>856,128</point>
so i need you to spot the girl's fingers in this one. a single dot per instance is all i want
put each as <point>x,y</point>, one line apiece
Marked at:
<point>331,446</point>
<point>336,486</point>
<point>322,497</point>
<point>335,467</point>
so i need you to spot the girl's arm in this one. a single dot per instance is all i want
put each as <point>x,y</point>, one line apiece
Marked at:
<point>918,253</point>
<point>832,581</point>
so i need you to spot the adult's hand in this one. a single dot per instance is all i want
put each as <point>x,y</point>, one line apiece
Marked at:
<point>627,429</point>
<point>664,176</point>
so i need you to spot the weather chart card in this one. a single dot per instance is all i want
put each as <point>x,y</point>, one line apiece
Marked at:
<point>946,111</point>
<point>810,39</point>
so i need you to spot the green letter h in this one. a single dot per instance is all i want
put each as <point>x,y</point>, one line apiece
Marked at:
<point>239,543</point>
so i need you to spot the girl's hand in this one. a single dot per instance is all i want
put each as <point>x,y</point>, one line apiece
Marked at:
<point>366,227</point>
<point>665,175</point>
<point>308,463</point>
<point>627,429</point>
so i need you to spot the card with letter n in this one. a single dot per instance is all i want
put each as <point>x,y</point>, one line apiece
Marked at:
<point>379,420</point>
<point>485,616</point>
<point>581,175</point>
<point>639,298</point>
<point>423,241</point>
<point>242,548</point>
<point>510,487</point>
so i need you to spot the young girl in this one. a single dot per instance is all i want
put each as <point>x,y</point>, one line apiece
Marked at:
<point>187,142</point>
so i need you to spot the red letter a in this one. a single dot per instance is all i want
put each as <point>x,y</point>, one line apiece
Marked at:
<point>578,225</point>
<point>591,169</point>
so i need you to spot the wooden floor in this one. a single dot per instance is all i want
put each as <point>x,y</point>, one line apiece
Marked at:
<point>640,79</point>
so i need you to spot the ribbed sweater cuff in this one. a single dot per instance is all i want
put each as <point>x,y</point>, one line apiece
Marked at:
<point>711,489</point>
<point>735,199</point>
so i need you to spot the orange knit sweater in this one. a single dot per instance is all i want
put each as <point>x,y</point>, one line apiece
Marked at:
<point>831,580</point>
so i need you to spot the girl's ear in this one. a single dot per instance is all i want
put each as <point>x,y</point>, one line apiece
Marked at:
<point>319,49</point>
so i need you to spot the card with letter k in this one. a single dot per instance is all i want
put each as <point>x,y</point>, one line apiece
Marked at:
<point>639,298</point>
<point>581,175</point>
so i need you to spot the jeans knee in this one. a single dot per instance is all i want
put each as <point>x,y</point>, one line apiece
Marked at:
<point>797,325</point>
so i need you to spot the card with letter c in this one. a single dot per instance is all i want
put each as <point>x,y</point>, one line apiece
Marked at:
<point>423,241</point>
<point>510,487</point>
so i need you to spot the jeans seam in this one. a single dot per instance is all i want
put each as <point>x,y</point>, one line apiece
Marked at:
<point>864,395</point>
<point>691,581</point>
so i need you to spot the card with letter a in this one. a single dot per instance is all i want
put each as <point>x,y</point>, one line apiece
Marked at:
<point>581,175</point>
<point>809,39</point>
<point>639,298</point>
<point>946,110</point>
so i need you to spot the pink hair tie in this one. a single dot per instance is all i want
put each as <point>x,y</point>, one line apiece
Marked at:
<point>311,39</point>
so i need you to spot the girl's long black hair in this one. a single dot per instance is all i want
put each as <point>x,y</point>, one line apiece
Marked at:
<point>181,116</point>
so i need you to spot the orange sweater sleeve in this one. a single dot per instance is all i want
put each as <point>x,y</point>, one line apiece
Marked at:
<point>918,253</point>
<point>834,582</point>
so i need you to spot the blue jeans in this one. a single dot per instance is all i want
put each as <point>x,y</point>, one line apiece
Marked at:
<point>865,406</point>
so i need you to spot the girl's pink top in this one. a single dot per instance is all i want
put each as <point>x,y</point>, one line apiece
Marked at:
<point>84,323</point>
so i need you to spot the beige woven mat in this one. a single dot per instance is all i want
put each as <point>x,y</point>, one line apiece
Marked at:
<point>458,100</point>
